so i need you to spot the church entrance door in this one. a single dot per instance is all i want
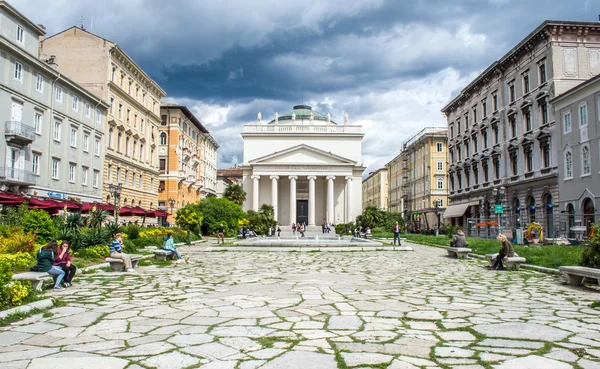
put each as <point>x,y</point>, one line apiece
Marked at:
<point>302,211</point>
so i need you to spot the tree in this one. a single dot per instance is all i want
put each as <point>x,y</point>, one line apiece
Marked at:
<point>217,211</point>
<point>235,192</point>
<point>189,218</point>
<point>371,217</point>
<point>262,220</point>
<point>590,257</point>
<point>39,222</point>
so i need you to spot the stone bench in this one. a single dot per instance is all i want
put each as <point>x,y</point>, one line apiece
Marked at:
<point>37,278</point>
<point>575,274</point>
<point>118,265</point>
<point>458,252</point>
<point>163,255</point>
<point>512,263</point>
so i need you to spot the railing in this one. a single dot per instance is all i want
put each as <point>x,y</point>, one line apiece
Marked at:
<point>15,175</point>
<point>295,128</point>
<point>19,129</point>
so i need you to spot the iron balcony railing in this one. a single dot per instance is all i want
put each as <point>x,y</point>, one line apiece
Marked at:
<point>19,129</point>
<point>15,175</point>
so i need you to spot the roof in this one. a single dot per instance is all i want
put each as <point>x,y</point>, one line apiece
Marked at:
<point>14,12</point>
<point>184,109</point>
<point>302,113</point>
<point>575,89</point>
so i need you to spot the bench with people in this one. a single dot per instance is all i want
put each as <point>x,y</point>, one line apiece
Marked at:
<point>458,246</point>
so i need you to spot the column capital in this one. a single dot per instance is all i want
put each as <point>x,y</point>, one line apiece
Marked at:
<point>293,177</point>
<point>330,178</point>
<point>348,178</point>
<point>255,177</point>
<point>311,177</point>
<point>274,177</point>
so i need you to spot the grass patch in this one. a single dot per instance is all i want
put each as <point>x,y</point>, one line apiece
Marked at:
<point>47,314</point>
<point>266,342</point>
<point>158,263</point>
<point>551,256</point>
<point>19,315</point>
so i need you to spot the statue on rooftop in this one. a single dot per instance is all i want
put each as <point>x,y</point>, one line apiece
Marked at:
<point>276,117</point>
<point>346,118</point>
<point>312,117</point>
<point>328,117</point>
<point>293,116</point>
<point>259,117</point>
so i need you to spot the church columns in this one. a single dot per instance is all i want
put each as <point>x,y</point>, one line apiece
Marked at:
<point>293,199</point>
<point>255,192</point>
<point>330,208</point>
<point>348,199</point>
<point>274,194</point>
<point>311,200</point>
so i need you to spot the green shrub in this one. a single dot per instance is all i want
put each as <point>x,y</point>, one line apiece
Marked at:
<point>17,241</point>
<point>39,222</point>
<point>12,215</point>
<point>129,247</point>
<point>132,231</point>
<point>13,293</point>
<point>590,257</point>
<point>93,252</point>
<point>219,210</point>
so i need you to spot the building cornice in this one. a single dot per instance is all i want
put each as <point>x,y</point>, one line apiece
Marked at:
<point>114,88</point>
<point>121,56</point>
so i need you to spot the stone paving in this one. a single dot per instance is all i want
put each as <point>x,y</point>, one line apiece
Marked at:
<point>244,310</point>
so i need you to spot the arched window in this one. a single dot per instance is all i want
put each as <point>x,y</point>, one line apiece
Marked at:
<point>568,165</point>
<point>585,160</point>
<point>440,183</point>
<point>163,138</point>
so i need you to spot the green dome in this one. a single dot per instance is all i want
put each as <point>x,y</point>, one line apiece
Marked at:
<point>302,114</point>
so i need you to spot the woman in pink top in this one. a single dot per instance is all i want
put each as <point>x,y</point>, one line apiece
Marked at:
<point>62,259</point>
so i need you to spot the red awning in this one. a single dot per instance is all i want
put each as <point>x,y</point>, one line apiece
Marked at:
<point>155,213</point>
<point>85,207</point>
<point>10,199</point>
<point>35,202</point>
<point>128,211</point>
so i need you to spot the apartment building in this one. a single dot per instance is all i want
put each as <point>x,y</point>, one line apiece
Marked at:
<point>181,148</point>
<point>102,67</point>
<point>502,129</point>
<point>578,140</point>
<point>209,148</point>
<point>54,128</point>
<point>395,184</point>
<point>424,177</point>
<point>375,189</point>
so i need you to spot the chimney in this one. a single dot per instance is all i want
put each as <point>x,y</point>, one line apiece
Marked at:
<point>52,62</point>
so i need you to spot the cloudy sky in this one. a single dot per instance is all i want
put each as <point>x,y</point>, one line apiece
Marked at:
<point>392,65</point>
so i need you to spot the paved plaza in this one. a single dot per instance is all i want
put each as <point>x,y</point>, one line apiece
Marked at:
<point>284,310</point>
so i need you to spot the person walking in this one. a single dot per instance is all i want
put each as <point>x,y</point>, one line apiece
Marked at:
<point>116,252</point>
<point>221,234</point>
<point>301,230</point>
<point>459,239</point>
<point>506,251</point>
<point>396,230</point>
<point>278,232</point>
<point>45,261</point>
<point>62,259</point>
<point>293,229</point>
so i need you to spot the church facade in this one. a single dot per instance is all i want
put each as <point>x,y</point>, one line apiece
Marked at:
<point>305,165</point>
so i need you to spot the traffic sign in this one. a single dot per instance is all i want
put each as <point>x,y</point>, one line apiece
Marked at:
<point>498,209</point>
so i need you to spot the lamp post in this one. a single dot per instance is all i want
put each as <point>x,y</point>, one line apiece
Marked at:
<point>437,217</point>
<point>498,193</point>
<point>172,204</point>
<point>115,191</point>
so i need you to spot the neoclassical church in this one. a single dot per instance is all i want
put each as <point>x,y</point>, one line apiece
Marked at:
<point>304,164</point>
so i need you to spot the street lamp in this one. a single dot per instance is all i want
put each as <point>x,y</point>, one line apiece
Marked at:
<point>115,191</point>
<point>437,217</point>
<point>172,203</point>
<point>498,194</point>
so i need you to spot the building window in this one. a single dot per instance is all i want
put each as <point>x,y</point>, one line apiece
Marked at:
<point>162,165</point>
<point>109,173</point>
<point>452,156</point>
<point>468,178</point>
<point>18,71</point>
<point>141,152</point>
<point>59,94</point>
<point>86,143</point>
<point>440,183</point>
<point>87,110</point>
<point>133,148</point>
<point>112,105</point>
<point>585,160</point>
<point>135,118</point>
<point>118,175</point>
<point>163,138</point>
<point>485,173</point>
<point>496,136</point>
<point>528,121</point>
<point>544,110</point>
<point>142,124</point>
<point>96,178</point>
<point>35,164</point>
<point>484,108</point>
<point>451,131</point>
<point>120,112</point>
<point>75,103</point>
<point>84,176</point>
<point>513,125</point>
<point>440,166</point>
<point>163,120</point>
<point>567,122</point>
<point>545,147</point>
<point>475,114</point>
<point>529,160</point>
<point>476,175</point>
<point>119,146</point>
<point>511,92</point>
<point>161,186</point>
<point>98,116</point>
<point>485,139</point>
<point>72,172</point>
<point>140,182</point>
<point>497,168</point>
<point>459,179</point>
<point>583,118</point>
<point>475,144</point>
<point>568,165</point>
<point>110,138</point>
<point>126,145</point>
<point>128,116</point>
<point>55,164</point>
<point>526,87</point>
<point>39,83</point>
<point>467,149</point>
<point>73,137</point>
<point>542,70</point>
<point>20,35</point>
<point>440,147</point>
<point>97,147</point>
<point>495,101</point>
<point>458,128</point>
<point>514,164</point>
<point>56,132</point>
<point>37,123</point>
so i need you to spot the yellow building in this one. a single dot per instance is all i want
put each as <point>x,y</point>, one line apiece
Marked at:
<point>103,68</point>
<point>375,189</point>
<point>182,147</point>
<point>423,162</point>
<point>395,183</point>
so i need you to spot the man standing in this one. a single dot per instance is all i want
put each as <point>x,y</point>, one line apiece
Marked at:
<point>220,234</point>
<point>396,231</point>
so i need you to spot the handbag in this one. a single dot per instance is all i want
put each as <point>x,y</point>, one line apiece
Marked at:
<point>451,243</point>
<point>35,268</point>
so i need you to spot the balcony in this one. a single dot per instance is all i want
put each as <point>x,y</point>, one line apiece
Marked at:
<point>17,176</point>
<point>18,133</point>
<point>190,179</point>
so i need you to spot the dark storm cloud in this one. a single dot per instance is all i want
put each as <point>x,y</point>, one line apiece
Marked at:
<point>390,64</point>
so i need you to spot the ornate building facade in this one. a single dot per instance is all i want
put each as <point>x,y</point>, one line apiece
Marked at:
<point>375,189</point>
<point>502,129</point>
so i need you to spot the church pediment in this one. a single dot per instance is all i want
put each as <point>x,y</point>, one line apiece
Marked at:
<point>302,155</point>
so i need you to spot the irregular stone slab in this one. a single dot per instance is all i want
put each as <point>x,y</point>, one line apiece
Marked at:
<point>266,353</point>
<point>171,360</point>
<point>220,365</point>
<point>424,315</point>
<point>96,346</point>
<point>453,352</point>
<point>456,336</point>
<point>397,364</point>
<point>79,363</point>
<point>534,332</point>
<point>26,354</point>
<point>304,360</point>
<point>351,322</point>
<point>511,343</point>
<point>9,338</point>
<point>251,364</point>
<point>241,343</point>
<point>38,328</point>
<point>147,349</point>
<point>241,331</point>
<point>533,362</point>
<point>190,339</point>
<point>214,351</point>
<point>588,364</point>
<point>355,359</point>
